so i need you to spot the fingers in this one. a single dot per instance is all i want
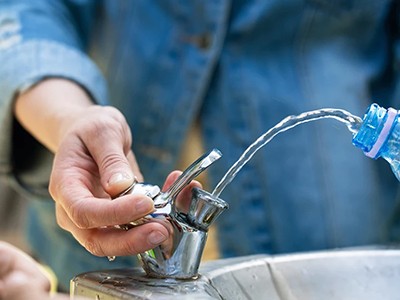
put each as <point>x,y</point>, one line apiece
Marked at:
<point>171,178</point>
<point>183,199</point>
<point>87,211</point>
<point>116,242</point>
<point>18,272</point>
<point>6,258</point>
<point>87,217</point>
<point>12,258</point>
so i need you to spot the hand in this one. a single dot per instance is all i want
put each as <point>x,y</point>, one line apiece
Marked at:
<point>22,278</point>
<point>20,275</point>
<point>94,163</point>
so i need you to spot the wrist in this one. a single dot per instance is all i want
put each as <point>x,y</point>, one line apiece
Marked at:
<point>46,108</point>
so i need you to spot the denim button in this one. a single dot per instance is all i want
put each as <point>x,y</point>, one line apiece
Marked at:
<point>204,41</point>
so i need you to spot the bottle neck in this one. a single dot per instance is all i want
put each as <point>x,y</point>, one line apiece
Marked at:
<point>375,129</point>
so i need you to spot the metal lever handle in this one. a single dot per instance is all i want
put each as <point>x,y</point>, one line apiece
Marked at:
<point>186,177</point>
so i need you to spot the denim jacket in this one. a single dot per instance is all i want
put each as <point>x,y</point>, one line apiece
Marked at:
<point>239,67</point>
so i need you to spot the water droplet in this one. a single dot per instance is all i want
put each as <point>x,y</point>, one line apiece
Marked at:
<point>105,279</point>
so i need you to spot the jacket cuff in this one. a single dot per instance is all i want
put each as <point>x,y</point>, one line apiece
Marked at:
<point>25,64</point>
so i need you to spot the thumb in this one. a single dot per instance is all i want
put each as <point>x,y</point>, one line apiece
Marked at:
<point>116,174</point>
<point>109,141</point>
<point>118,181</point>
<point>115,171</point>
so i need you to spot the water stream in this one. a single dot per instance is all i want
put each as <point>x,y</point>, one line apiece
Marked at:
<point>352,122</point>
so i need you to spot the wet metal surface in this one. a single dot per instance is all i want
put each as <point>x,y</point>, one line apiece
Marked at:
<point>134,284</point>
<point>353,274</point>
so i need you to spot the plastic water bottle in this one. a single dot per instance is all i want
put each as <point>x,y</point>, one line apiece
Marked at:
<point>379,136</point>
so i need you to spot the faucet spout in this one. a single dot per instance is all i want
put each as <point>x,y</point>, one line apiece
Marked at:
<point>179,257</point>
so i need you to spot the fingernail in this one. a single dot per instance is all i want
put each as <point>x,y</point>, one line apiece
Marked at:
<point>156,237</point>
<point>144,206</point>
<point>119,177</point>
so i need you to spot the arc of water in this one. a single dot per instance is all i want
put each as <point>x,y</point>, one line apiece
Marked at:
<point>353,124</point>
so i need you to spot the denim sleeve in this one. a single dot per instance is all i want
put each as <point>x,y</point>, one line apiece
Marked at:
<point>40,39</point>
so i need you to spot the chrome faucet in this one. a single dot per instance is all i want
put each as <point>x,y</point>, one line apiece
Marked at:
<point>179,257</point>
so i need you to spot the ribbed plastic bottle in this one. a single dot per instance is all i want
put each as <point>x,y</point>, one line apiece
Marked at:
<point>379,136</point>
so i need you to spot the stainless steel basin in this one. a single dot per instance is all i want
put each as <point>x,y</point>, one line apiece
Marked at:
<point>351,274</point>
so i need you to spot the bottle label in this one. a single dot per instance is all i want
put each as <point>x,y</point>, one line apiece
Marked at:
<point>391,117</point>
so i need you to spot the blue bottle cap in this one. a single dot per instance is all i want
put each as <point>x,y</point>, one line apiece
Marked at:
<point>376,127</point>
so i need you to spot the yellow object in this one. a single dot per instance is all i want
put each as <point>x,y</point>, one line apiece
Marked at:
<point>48,272</point>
